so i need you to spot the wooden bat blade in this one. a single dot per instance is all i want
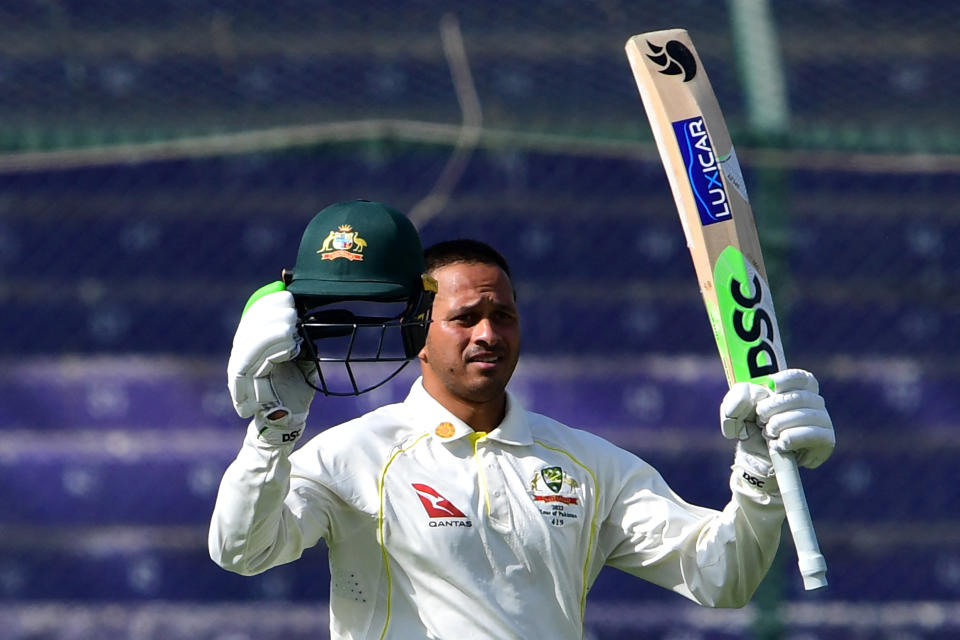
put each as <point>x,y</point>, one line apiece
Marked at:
<point>703,171</point>
<point>711,198</point>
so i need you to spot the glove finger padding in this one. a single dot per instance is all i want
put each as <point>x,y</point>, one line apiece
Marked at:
<point>794,380</point>
<point>812,446</point>
<point>267,335</point>
<point>241,382</point>
<point>738,410</point>
<point>796,419</point>
<point>259,350</point>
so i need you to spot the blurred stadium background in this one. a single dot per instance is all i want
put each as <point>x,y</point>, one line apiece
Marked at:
<point>159,160</point>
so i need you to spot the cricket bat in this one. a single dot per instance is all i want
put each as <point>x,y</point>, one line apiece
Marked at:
<point>711,197</point>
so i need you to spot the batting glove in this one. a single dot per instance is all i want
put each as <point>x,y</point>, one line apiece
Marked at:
<point>791,418</point>
<point>795,418</point>
<point>263,379</point>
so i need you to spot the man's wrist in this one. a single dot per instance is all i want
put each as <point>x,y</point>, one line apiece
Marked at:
<point>753,475</point>
<point>275,434</point>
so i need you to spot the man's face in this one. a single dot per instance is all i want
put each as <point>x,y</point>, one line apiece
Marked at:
<point>474,340</point>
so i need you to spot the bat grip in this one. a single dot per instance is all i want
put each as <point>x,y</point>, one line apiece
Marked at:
<point>813,566</point>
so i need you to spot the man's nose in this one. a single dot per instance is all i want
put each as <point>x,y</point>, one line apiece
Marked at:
<point>485,332</point>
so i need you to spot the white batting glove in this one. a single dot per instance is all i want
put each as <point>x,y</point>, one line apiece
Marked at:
<point>262,379</point>
<point>284,399</point>
<point>795,418</point>
<point>738,421</point>
<point>791,418</point>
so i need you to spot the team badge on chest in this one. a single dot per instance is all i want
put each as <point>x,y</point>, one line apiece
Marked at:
<point>557,495</point>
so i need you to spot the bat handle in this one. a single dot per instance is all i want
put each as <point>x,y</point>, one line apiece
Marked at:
<point>813,566</point>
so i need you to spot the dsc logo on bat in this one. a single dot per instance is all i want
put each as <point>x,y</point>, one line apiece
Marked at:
<point>761,336</point>
<point>747,330</point>
<point>703,170</point>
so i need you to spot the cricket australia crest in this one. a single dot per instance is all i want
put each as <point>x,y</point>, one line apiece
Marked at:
<point>557,495</point>
<point>343,243</point>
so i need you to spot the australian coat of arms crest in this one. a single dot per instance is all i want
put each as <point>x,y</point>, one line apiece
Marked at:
<point>343,243</point>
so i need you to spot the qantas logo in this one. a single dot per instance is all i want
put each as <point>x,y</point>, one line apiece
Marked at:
<point>437,506</point>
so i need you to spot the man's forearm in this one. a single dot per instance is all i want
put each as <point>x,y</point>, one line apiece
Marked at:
<point>250,530</point>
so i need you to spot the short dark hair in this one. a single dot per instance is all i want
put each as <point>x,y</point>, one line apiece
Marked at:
<point>467,250</point>
<point>462,250</point>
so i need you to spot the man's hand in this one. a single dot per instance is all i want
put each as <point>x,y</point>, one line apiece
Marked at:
<point>795,418</point>
<point>263,379</point>
<point>792,418</point>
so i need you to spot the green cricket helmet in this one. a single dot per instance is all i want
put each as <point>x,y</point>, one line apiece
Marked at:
<point>360,290</point>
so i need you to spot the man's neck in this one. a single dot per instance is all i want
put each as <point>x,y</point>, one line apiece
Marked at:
<point>479,416</point>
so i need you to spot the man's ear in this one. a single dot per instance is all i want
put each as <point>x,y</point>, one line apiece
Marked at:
<point>422,356</point>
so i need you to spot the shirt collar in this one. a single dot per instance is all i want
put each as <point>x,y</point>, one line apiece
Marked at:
<point>513,429</point>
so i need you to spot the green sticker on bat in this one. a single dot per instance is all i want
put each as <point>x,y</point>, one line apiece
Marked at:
<point>750,337</point>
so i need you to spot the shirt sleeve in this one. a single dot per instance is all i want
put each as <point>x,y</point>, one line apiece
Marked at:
<point>715,558</point>
<point>258,521</point>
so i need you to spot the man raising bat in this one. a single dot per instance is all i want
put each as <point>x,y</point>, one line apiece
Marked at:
<point>457,512</point>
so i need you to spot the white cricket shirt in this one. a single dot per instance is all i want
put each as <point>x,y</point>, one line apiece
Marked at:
<point>437,531</point>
